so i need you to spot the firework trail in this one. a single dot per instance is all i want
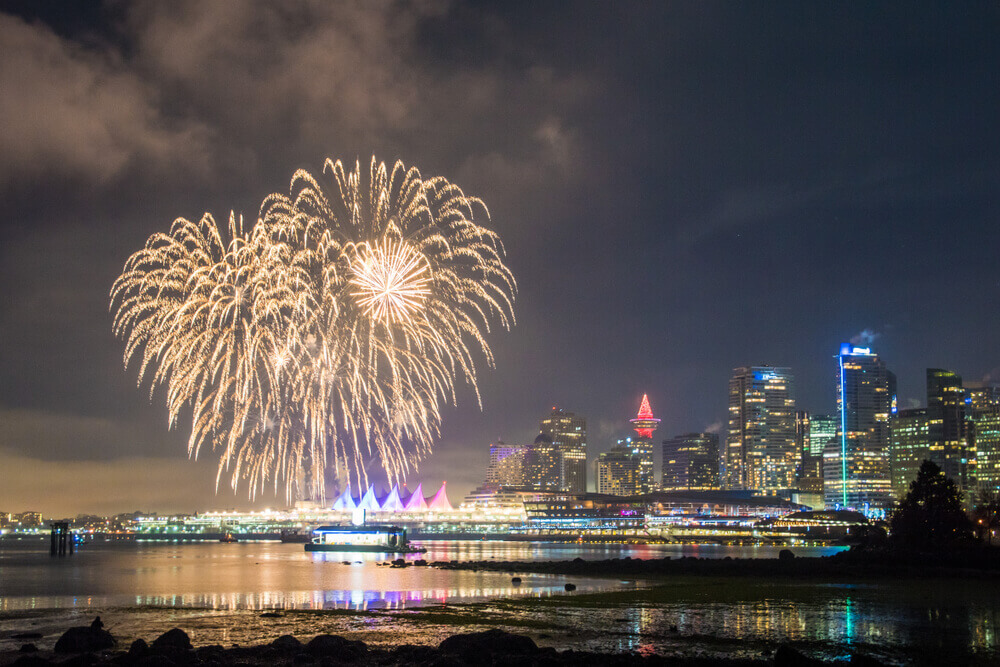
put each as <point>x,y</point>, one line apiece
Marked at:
<point>328,334</point>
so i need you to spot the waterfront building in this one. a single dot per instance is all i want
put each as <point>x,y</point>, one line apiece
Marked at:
<point>761,452</point>
<point>618,472</point>
<point>691,462</point>
<point>856,466</point>
<point>568,433</point>
<point>642,444</point>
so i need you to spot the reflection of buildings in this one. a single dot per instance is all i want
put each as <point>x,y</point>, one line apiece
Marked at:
<point>618,472</point>
<point>642,444</point>
<point>691,461</point>
<point>568,433</point>
<point>856,467</point>
<point>761,448</point>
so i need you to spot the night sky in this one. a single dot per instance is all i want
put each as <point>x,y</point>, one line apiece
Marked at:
<point>682,188</point>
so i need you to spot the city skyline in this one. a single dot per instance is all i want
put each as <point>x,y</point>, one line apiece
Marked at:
<point>681,191</point>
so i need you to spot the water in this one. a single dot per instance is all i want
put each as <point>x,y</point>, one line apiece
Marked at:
<point>216,592</point>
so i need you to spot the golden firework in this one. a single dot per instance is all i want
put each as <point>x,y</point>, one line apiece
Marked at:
<point>327,335</point>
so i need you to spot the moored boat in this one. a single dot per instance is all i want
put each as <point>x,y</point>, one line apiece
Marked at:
<point>371,538</point>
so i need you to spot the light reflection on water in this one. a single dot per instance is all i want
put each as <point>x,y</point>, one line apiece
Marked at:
<point>891,618</point>
<point>254,575</point>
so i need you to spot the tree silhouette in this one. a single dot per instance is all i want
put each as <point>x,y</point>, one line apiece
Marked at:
<point>931,517</point>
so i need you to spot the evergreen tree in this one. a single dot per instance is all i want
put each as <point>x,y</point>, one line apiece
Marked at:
<point>931,517</point>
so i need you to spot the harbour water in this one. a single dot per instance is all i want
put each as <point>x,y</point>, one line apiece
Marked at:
<point>217,592</point>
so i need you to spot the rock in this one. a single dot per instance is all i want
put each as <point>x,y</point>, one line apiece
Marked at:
<point>786,555</point>
<point>516,581</point>
<point>84,639</point>
<point>786,656</point>
<point>862,660</point>
<point>287,643</point>
<point>420,562</point>
<point>333,646</point>
<point>27,635</point>
<point>570,587</point>
<point>173,639</point>
<point>270,614</point>
<point>138,648</point>
<point>28,648</point>
<point>97,624</point>
<point>475,645</point>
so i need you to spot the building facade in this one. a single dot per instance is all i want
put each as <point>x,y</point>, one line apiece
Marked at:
<point>507,465</point>
<point>910,444</point>
<point>856,467</point>
<point>761,452</point>
<point>568,433</point>
<point>618,473</point>
<point>691,462</point>
<point>543,465</point>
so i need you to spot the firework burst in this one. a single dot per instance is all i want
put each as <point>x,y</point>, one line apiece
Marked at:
<point>328,335</point>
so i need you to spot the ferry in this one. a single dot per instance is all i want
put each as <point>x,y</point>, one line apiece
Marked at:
<point>371,538</point>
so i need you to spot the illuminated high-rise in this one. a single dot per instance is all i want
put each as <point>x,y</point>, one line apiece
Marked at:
<point>642,444</point>
<point>910,445</point>
<point>761,451</point>
<point>856,466</point>
<point>618,472</point>
<point>822,429</point>
<point>946,407</point>
<point>691,462</point>
<point>936,433</point>
<point>507,465</point>
<point>983,423</point>
<point>543,465</point>
<point>568,433</point>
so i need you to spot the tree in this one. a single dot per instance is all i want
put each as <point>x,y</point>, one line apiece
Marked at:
<point>931,517</point>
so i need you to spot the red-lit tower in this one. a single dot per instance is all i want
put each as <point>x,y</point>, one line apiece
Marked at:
<point>645,423</point>
<point>642,444</point>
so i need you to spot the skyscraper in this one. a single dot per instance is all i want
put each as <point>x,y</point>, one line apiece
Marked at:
<point>761,445</point>
<point>642,444</point>
<point>542,465</point>
<point>618,472</point>
<point>822,429</point>
<point>936,433</point>
<point>856,467</point>
<point>910,444</point>
<point>946,408</point>
<point>691,462</point>
<point>568,433</point>
<point>506,466</point>
<point>983,421</point>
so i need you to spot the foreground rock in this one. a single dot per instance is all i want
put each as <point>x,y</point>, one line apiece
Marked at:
<point>85,639</point>
<point>491,647</point>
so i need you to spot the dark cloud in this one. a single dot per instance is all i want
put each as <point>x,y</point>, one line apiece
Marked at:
<point>681,189</point>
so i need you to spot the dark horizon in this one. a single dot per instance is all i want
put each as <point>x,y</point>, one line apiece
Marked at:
<point>681,189</point>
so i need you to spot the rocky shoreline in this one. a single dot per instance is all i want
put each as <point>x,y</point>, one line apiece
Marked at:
<point>85,646</point>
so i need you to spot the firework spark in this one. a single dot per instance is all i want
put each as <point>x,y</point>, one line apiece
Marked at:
<point>327,335</point>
